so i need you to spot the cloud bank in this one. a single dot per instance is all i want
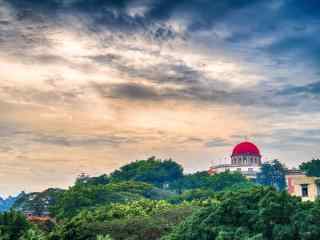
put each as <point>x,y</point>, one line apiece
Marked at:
<point>90,85</point>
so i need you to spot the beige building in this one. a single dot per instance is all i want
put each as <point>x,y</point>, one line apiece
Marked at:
<point>308,188</point>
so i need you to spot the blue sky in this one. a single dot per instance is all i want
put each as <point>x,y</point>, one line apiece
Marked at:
<point>87,86</point>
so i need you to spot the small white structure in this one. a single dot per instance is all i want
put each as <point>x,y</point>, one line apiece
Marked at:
<point>245,158</point>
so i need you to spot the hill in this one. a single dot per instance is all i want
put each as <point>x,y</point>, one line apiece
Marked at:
<point>37,203</point>
<point>152,199</point>
<point>7,203</point>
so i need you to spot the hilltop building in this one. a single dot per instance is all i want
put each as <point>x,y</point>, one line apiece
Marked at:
<point>298,184</point>
<point>245,158</point>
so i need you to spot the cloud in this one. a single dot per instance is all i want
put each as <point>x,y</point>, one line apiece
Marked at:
<point>312,89</point>
<point>46,97</point>
<point>133,91</point>
<point>13,138</point>
<point>119,80</point>
<point>291,139</point>
<point>191,79</point>
<point>217,142</point>
<point>81,141</point>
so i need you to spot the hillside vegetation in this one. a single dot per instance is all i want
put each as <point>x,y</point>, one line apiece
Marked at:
<point>153,199</point>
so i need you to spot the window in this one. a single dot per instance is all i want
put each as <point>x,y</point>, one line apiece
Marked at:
<point>304,190</point>
<point>239,169</point>
<point>250,169</point>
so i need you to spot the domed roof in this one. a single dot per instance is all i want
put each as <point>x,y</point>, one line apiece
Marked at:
<point>246,148</point>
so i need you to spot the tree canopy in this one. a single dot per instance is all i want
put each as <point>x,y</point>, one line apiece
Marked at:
<point>81,196</point>
<point>311,168</point>
<point>196,206</point>
<point>13,225</point>
<point>272,174</point>
<point>260,213</point>
<point>138,220</point>
<point>216,182</point>
<point>152,170</point>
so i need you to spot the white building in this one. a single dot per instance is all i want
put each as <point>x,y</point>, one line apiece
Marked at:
<point>245,158</point>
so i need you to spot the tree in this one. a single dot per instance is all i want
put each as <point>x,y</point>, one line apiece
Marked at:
<point>84,196</point>
<point>197,194</point>
<point>4,236</point>
<point>216,182</point>
<point>311,168</point>
<point>222,181</point>
<point>140,220</point>
<point>37,202</point>
<point>106,237</point>
<point>258,213</point>
<point>191,181</point>
<point>13,225</point>
<point>272,174</point>
<point>32,234</point>
<point>86,179</point>
<point>154,171</point>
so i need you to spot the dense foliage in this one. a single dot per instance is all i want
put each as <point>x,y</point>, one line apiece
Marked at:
<point>260,213</point>
<point>137,202</point>
<point>87,180</point>
<point>144,219</point>
<point>90,196</point>
<point>152,170</point>
<point>192,181</point>
<point>201,186</point>
<point>13,225</point>
<point>311,168</point>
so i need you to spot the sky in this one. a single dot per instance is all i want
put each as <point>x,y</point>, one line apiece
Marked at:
<point>87,86</point>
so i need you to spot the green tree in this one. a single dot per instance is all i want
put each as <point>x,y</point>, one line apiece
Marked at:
<point>197,194</point>
<point>216,182</point>
<point>154,171</point>
<point>272,174</point>
<point>140,220</point>
<point>13,225</point>
<point>222,181</point>
<point>83,196</point>
<point>85,179</point>
<point>191,181</point>
<point>37,202</point>
<point>311,168</point>
<point>257,213</point>
<point>4,236</point>
<point>102,237</point>
<point>307,221</point>
<point>32,234</point>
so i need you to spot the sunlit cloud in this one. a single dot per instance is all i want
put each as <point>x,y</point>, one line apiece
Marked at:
<point>89,88</point>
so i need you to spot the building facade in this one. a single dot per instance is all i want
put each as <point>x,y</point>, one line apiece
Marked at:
<point>300,185</point>
<point>245,158</point>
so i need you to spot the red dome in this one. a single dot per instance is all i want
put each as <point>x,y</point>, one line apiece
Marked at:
<point>246,148</point>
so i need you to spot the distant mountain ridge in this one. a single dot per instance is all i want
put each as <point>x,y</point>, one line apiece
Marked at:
<point>7,203</point>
